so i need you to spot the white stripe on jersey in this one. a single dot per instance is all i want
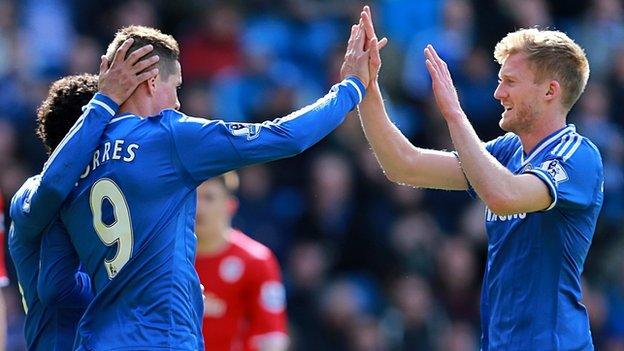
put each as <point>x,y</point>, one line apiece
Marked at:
<point>356,89</point>
<point>579,139</point>
<point>121,117</point>
<point>566,146</point>
<point>547,143</point>
<point>563,141</point>
<point>69,135</point>
<point>106,107</point>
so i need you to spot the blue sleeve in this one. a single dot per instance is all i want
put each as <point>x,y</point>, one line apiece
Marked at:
<point>207,148</point>
<point>61,280</point>
<point>573,175</point>
<point>503,147</point>
<point>42,197</point>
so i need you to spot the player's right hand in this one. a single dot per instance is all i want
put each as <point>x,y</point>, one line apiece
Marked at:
<point>118,79</point>
<point>356,58</point>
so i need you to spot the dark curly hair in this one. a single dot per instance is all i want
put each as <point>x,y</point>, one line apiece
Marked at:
<point>63,106</point>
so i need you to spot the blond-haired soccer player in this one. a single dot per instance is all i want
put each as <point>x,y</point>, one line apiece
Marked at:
<point>542,183</point>
<point>245,305</point>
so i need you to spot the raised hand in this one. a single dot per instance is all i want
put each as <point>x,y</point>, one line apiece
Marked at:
<point>120,78</point>
<point>372,43</point>
<point>442,84</point>
<point>356,58</point>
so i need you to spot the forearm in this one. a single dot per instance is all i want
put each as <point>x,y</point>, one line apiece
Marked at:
<point>310,124</point>
<point>489,178</point>
<point>392,149</point>
<point>400,160</point>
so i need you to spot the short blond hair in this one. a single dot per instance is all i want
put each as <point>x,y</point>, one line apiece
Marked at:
<point>552,55</point>
<point>165,46</point>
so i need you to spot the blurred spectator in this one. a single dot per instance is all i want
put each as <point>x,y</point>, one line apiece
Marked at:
<point>212,47</point>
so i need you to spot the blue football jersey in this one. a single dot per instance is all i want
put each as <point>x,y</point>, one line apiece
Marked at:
<point>52,317</point>
<point>132,215</point>
<point>531,296</point>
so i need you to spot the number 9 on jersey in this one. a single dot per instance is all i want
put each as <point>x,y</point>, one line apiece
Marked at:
<point>120,230</point>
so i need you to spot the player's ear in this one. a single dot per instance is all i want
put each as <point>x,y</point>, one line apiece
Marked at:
<point>553,90</point>
<point>151,84</point>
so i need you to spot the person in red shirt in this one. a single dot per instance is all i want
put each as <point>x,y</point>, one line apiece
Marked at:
<point>245,302</point>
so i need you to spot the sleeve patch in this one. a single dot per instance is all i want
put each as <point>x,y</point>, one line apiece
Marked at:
<point>273,296</point>
<point>555,169</point>
<point>249,130</point>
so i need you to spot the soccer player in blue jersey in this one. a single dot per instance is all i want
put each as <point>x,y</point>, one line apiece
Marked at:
<point>542,183</point>
<point>38,245</point>
<point>131,216</point>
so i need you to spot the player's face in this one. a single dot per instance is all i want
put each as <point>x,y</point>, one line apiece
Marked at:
<point>212,204</point>
<point>518,93</point>
<point>166,92</point>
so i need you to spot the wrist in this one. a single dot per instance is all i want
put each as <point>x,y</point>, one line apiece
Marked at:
<point>454,116</point>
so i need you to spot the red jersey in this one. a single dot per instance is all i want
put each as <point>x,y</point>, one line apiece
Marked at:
<point>245,298</point>
<point>4,279</point>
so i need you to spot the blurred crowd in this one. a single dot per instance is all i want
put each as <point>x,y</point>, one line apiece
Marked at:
<point>368,265</point>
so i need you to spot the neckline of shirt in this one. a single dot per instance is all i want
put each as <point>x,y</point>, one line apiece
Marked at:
<point>547,141</point>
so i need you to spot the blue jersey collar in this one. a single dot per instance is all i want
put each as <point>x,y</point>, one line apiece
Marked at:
<point>553,137</point>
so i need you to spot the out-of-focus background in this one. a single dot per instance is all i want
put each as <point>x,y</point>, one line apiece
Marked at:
<point>368,265</point>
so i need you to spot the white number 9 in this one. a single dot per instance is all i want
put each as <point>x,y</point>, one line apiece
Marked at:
<point>120,231</point>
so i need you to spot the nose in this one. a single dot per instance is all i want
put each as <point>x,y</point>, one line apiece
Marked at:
<point>500,92</point>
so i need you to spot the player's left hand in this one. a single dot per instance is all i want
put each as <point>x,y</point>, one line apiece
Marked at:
<point>442,84</point>
<point>118,79</point>
<point>372,43</point>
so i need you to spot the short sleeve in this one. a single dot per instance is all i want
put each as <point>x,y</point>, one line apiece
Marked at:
<point>574,177</point>
<point>501,148</point>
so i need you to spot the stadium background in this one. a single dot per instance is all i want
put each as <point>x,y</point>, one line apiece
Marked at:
<point>368,265</point>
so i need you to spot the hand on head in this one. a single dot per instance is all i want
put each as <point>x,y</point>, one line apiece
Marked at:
<point>362,57</point>
<point>118,79</point>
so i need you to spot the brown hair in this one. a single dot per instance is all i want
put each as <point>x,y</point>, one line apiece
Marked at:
<point>63,106</point>
<point>552,55</point>
<point>165,46</point>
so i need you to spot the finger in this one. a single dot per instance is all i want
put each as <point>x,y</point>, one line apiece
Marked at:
<point>429,56</point>
<point>120,54</point>
<point>103,64</point>
<point>147,75</point>
<point>436,57</point>
<point>143,64</point>
<point>375,58</point>
<point>433,73</point>
<point>351,41</point>
<point>136,55</point>
<point>368,11</point>
<point>382,43</point>
<point>368,25</point>
<point>441,65</point>
<point>359,38</point>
